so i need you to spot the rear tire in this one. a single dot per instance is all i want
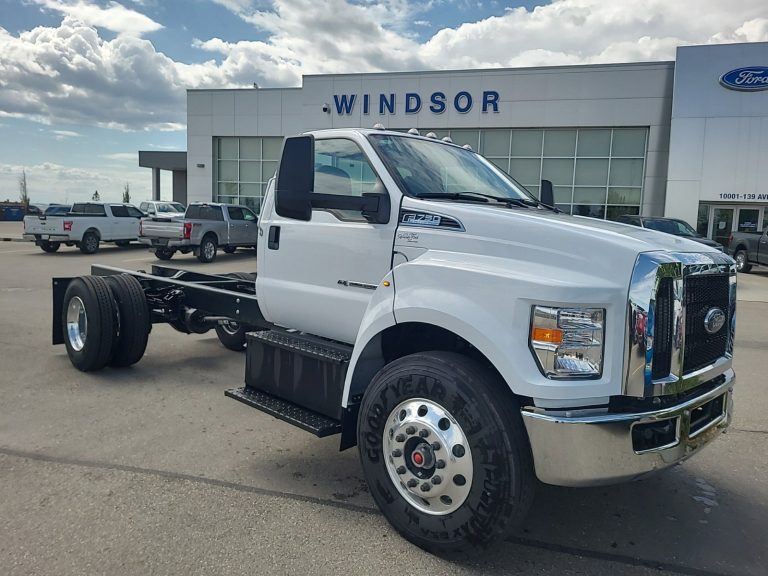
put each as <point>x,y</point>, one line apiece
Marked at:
<point>164,253</point>
<point>49,247</point>
<point>122,243</point>
<point>446,410</point>
<point>229,249</point>
<point>88,320</point>
<point>90,243</point>
<point>206,253</point>
<point>134,318</point>
<point>232,334</point>
<point>742,261</point>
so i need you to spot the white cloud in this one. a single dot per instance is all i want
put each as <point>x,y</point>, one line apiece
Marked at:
<point>123,156</point>
<point>70,74</point>
<point>64,134</point>
<point>114,16</point>
<point>52,182</point>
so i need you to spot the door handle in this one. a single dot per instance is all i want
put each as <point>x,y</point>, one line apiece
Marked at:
<point>273,242</point>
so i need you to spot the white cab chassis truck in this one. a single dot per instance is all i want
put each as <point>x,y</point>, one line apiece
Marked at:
<point>468,338</point>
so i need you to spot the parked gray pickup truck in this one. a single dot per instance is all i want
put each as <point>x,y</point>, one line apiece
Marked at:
<point>749,249</point>
<point>204,228</point>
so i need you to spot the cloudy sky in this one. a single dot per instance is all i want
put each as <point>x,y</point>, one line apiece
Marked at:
<point>84,84</point>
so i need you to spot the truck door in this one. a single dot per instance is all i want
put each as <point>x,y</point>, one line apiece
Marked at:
<point>238,227</point>
<point>319,275</point>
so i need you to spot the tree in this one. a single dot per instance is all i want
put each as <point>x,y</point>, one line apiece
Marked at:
<point>127,194</point>
<point>96,196</point>
<point>23,195</point>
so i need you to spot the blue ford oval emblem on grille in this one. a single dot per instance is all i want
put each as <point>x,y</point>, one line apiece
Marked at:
<point>714,320</point>
<point>749,79</point>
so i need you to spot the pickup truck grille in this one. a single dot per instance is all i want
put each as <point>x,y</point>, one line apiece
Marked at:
<point>703,293</point>
<point>662,330</point>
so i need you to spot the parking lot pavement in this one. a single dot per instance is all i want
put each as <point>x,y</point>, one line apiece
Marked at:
<point>152,470</point>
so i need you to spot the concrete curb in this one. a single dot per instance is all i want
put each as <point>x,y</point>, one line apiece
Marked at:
<point>12,240</point>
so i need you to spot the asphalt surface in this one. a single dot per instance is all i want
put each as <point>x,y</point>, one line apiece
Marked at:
<point>151,470</point>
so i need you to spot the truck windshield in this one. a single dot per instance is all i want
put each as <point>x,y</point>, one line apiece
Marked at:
<point>676,227</point>
<point>433,169</point>
<point>170,208</point>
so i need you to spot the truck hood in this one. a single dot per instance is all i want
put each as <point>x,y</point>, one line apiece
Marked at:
<point>587,245</point>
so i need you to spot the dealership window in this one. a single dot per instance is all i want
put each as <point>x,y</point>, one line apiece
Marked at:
<point>595,172</point>
<point>243,167</point>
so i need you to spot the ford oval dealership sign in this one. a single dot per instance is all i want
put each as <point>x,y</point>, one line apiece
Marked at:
<point>749,79</point>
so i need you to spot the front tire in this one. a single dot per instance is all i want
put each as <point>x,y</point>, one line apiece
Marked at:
<point>742,261</point>
<point>445,452</point>
<point>88,320</point>
<point>207,251</point>
<point>50,247</point>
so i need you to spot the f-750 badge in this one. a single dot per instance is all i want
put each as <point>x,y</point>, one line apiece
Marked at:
<point>416,219</point>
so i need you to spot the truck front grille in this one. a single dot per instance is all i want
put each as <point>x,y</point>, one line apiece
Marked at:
<point>703,293</point>
<point>662,330</point>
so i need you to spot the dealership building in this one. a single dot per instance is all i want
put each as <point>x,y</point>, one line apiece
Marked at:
<point>686,139</point>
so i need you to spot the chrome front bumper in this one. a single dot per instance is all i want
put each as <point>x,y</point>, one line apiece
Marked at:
<point>598,449</point>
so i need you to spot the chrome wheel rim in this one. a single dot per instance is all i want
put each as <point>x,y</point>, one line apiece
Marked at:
<point>208,250</point>
<point>229,327</point>
<point>77,323</point>
<point>427,456</point>
<point>740,261</point>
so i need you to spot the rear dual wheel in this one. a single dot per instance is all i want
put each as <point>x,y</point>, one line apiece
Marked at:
<point>106,321</point>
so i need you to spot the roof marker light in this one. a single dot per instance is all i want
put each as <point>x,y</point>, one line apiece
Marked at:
<point>432,135</point>
<point>414,131</point>
<point>467,147</point>
<point>447,139</point>
<point>378,126</point>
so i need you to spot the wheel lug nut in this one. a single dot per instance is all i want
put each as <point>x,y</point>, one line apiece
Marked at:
<point>436,480</point>
<point>396,453</point>
<point>435,445</point>
<point>440,464</point>
<point>412,483</point>
<point>401,469</point>
<point>400,438</point>
<point>424,433</point>
<point>410,430</point>
<point>458,450</point>
<point>425,487</point>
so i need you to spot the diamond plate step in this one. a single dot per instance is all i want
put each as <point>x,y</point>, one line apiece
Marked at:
<point>303,418</point>
<point>304,344</point>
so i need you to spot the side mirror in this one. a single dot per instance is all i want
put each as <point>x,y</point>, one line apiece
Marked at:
<point>296,178</point>
<point>377,205</point>
<point>547,197</point>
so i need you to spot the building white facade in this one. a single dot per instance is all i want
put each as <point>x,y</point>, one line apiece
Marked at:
<point>601,133</point>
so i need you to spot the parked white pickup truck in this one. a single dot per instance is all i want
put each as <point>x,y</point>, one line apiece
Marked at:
<point>414,299</point>
<point>86,225</point>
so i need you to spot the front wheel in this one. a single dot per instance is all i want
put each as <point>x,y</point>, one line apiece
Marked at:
<point>742,261</point>
<point>49,247</point>
<point>445,452</point>
<point>88,318</point>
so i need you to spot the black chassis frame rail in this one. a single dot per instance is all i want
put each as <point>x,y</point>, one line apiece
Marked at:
<point>212,294</point>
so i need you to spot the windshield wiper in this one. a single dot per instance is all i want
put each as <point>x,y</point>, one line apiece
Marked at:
<point>471,196</point>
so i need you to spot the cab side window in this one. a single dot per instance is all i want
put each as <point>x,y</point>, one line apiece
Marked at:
<point>235,213</point>
<point>342,169</point>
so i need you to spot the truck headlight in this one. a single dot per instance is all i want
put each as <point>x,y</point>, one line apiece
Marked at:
<point>568,342</point>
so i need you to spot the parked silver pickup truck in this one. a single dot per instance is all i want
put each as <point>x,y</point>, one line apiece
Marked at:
<point>204,228</point>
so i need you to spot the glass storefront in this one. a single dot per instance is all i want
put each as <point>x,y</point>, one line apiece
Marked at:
<point>242,168</point>
<point>717,221</point>
<point>595,172</point>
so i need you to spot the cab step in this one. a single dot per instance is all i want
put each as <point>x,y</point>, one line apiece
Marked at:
<point>319,425</point>
<point>301,369</point>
